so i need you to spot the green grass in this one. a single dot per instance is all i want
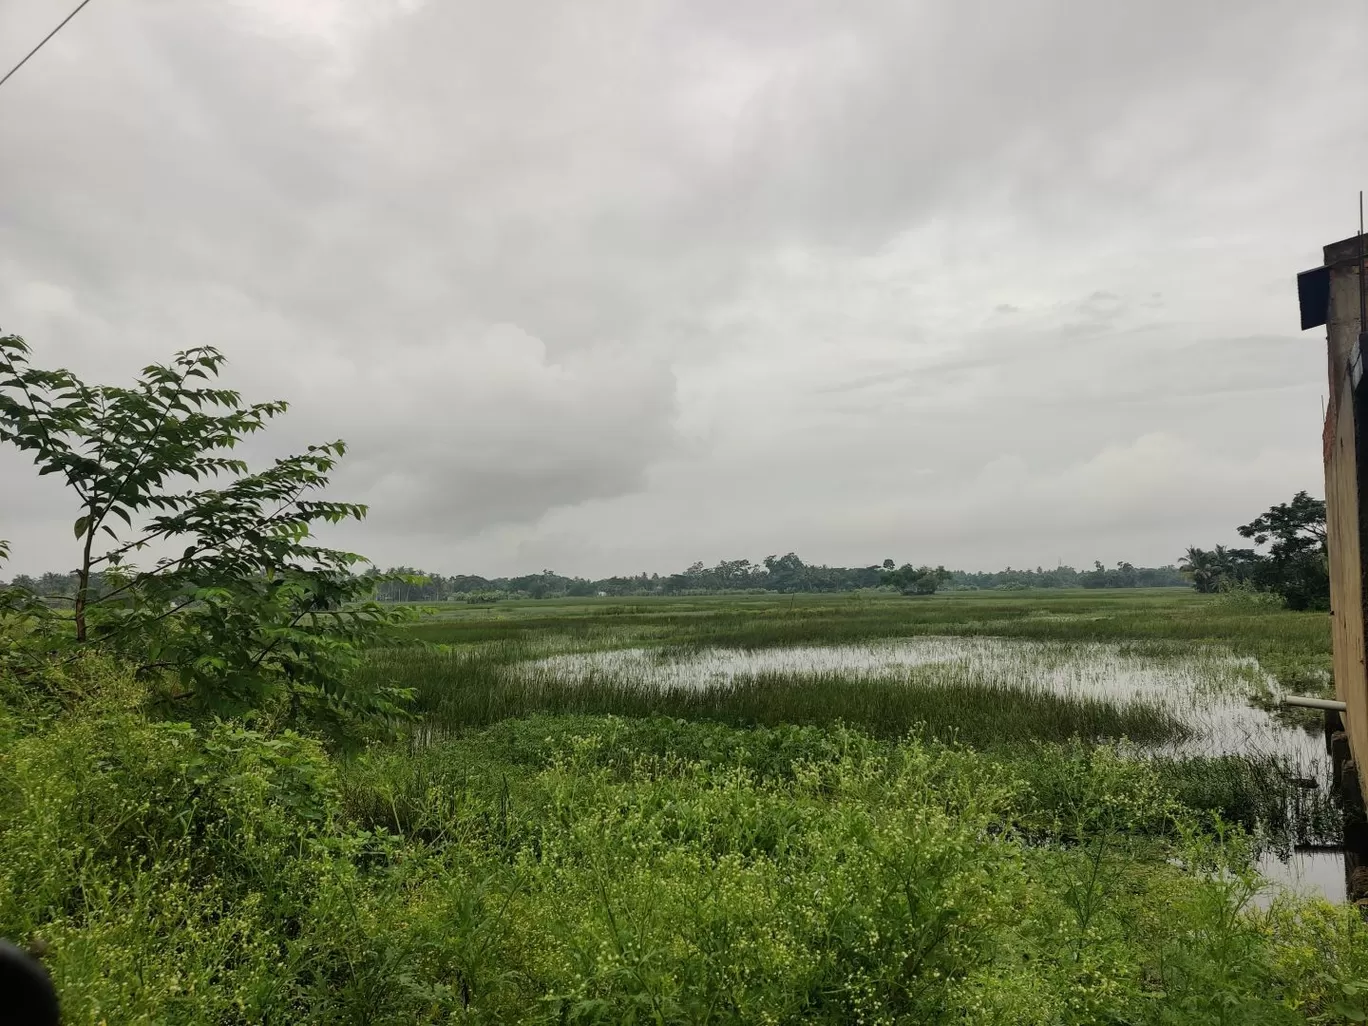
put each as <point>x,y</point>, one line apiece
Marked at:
<point>467,680</point>
<point>944,847</point>
<point>1286,643</point>
<point>475,674</point>
<point>1252,793</point>
<point>1260,794</point>
<point>598,870</point>
<point>460,689</point>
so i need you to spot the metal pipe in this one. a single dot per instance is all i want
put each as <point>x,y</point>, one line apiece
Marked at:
<point>1329,704</point>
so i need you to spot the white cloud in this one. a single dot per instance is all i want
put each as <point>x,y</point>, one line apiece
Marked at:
<point>632,284</point>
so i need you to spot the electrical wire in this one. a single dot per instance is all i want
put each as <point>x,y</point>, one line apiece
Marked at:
<point>44,40</point>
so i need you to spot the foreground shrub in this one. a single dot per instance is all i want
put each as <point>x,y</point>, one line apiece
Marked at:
<point>590,871</point>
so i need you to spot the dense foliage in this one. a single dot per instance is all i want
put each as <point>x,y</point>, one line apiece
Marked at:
<point>186,836</point>
<point>787,574</point>
<point>609,871</point>
<point>238,608</point>
<point>1295,567</point>
<point>605,870</point>
<point>775,574</point>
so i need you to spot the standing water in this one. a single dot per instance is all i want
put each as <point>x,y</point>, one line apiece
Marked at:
<point>1208,689</point>
<point>1205,688</point>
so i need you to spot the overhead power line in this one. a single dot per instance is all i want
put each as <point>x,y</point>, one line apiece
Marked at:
<point>44,40</point>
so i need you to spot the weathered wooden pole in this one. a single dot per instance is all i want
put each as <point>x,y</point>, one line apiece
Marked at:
<point>1330,295</point>
<point>1335,295</point>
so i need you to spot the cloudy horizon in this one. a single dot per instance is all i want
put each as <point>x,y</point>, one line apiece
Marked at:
<point>617,287</point>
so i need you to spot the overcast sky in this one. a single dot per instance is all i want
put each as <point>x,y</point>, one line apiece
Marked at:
<point>620,285</point>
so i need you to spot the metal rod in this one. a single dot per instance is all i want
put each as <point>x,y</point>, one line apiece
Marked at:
<point>1314,703</point>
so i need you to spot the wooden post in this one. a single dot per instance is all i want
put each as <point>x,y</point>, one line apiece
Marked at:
<point>1346,487</point>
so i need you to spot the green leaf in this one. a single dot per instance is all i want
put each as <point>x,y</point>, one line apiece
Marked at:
<point>252,608</point>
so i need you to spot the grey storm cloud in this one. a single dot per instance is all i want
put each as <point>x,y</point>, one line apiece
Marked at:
<point>629,284</point>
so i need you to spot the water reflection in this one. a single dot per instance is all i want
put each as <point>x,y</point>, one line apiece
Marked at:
<point>1308,873</point>
<point>1205,687</point>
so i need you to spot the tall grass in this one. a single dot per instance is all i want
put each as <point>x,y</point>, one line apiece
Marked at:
<point>658,866</point>
<point>1260,793</point>
<point>462,688</point>
<point>1286,643</point>
<point>468,678</point>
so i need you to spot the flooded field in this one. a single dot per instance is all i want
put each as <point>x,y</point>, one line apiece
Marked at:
<point>1207,689</point>
<point>1179,680</point>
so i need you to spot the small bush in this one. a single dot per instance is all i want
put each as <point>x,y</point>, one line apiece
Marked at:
<point>1244,596</point>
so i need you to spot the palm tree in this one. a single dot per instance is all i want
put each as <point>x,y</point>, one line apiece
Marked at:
<point>1203,568</point>
<point>1223,565</point>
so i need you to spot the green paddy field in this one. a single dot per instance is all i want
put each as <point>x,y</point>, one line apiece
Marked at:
<point>1051,807</point>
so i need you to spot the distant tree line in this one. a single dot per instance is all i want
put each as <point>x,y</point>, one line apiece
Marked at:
<point>54,585</point>
<point>785,574</point>
<point>773,574</point>
<point>1123,575</point>
<point>1295,566</point>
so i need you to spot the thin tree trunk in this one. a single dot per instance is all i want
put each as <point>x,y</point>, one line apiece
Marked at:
<point>83,578</point>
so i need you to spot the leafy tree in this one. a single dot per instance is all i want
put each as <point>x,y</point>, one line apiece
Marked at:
<point>1297,565</point>
<point>1127,575</point>
<point>242,609</point>
<point>1220,568</point>
<point>1235,567</point>
<point>785,573</point>
<point>1200,567</point>
<point>1015,580</point>
<point>1291,526</point>
<point>917,580</point>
